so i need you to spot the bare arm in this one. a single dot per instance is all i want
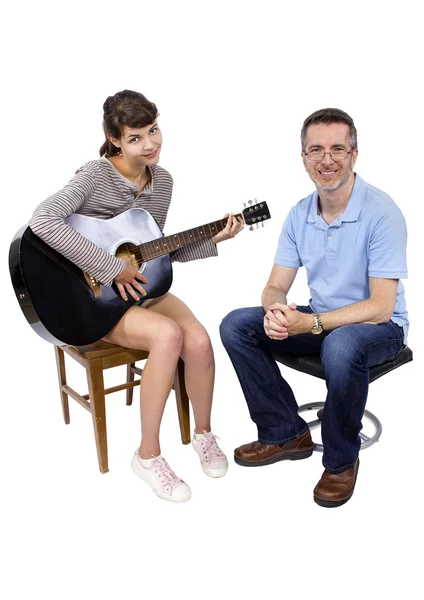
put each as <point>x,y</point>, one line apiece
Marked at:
<point>275,293</point>
<point>378,308</point>
<point>277,288</point>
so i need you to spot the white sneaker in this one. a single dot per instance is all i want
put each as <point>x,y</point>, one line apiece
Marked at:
<point>213,460</point>
<point>161,478</point>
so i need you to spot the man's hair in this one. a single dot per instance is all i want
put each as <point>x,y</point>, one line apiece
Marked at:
<point>329,115</point>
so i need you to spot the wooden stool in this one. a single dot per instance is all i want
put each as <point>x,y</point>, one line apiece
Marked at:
<point>97,357</point>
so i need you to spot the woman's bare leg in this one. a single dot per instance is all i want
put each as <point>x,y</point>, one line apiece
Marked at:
<point>162,337</point>
<point>197,354</point>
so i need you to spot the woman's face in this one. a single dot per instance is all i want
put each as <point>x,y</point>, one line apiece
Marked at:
<point>141,145</point>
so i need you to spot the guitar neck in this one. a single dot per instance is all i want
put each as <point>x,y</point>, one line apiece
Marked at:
<point>169,243</point>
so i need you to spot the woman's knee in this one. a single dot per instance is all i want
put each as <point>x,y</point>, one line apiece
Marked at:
<point>169,337</point>
<point>197,345</point>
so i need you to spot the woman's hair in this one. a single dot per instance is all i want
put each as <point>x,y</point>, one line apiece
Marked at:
<point>125,108</point>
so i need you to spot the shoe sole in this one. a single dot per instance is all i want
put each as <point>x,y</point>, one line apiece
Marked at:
<point>328,504</point>
<point>159,494</point>
<point>288,456</point>
<point>336,503</point>
<point>214,474</point>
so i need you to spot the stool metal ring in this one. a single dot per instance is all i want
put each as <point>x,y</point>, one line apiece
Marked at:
<point>311,365</point>
<point>366,441</point>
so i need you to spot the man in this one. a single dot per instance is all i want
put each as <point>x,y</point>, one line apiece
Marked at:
<point>351,238</point>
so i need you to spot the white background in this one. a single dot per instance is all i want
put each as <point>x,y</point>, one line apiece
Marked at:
<point>233,82</point>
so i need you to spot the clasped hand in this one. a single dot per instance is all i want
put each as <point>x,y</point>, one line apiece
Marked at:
<point>282,320</point>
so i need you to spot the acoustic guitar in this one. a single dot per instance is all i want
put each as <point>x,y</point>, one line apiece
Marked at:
<point>66,306</point>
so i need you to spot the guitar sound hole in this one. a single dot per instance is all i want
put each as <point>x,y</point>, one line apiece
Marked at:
<point>129,250</point>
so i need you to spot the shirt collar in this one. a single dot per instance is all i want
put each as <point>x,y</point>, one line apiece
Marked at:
<point>148,189</point>
<point>352,210</point>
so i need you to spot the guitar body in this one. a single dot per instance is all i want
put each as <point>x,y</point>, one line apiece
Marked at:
<point>53,293</point>
<point>68,307</point>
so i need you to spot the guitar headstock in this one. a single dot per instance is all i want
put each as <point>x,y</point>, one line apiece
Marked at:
<point>256,213</point>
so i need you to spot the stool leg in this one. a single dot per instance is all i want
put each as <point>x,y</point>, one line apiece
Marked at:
<point>61,374</point>
<point>96,392</point>
<point>182,402</point>
<point>130,377</point>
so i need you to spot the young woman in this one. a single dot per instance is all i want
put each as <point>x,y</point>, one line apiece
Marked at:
<point>126,176</point>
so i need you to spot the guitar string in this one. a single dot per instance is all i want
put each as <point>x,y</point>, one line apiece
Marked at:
<point>146,251</point>
<point>174,242</point>
<point>177,240</point>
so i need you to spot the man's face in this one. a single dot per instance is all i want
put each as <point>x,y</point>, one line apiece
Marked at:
<point>329,174</point>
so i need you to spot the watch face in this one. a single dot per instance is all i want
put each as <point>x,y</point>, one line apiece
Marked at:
<point>318,329</point>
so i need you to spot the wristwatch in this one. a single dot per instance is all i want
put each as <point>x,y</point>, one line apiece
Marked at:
<point>317,328</point>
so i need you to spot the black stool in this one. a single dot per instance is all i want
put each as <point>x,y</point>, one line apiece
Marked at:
<point>311,365</point>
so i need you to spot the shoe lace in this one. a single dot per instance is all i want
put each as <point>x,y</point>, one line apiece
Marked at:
<point>211,450</point>
<point>166,475</point>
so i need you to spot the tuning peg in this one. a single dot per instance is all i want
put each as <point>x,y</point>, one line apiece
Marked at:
<point>244,204</point>
<point>263,224</point>
<point>250,202</point>
<point>255,200</point>
<point>251,228</point>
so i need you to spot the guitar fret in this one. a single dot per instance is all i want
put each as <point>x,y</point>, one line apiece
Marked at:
<point>176,238</point>
<point>161,246</point>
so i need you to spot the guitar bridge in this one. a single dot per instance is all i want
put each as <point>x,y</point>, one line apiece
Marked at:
<point>93,284</point>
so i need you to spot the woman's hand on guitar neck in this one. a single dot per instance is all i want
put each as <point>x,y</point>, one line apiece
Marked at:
<point>126,281</point>
<point>232,228</point>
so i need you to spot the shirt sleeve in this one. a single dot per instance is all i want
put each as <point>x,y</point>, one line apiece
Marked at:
<point>202,249</point>
<point>287,254</point>
<point>48,222</point>
<point>387,249</point>
<point>197,250</point>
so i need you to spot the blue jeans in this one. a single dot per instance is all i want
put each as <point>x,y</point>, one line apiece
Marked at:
<point>346,355</point>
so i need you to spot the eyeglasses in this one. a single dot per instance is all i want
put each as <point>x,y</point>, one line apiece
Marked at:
<point>316,155</point>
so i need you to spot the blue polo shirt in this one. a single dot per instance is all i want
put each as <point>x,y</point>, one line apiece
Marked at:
<point>367,240</point>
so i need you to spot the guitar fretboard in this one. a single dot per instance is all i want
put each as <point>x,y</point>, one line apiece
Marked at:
<point>169,243</point>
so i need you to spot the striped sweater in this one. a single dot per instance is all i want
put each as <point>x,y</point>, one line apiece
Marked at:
<point>99,190</point>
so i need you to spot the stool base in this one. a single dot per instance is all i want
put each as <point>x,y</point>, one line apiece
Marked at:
<point>366,441</point>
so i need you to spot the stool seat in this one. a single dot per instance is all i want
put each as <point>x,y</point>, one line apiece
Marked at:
<point>98,357</point>
<point>311,364</point>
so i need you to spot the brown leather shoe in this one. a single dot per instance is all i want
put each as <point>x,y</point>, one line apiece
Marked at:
<point>257,454</point>
<point>335,489</point>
